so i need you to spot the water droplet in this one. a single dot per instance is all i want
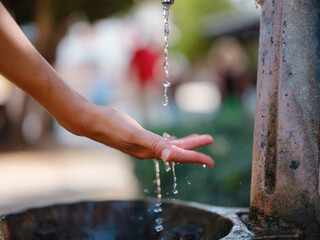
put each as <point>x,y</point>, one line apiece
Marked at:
<point>175,191</point>
<point>159,221</point>
<point>157,210</point>
<point>167,73</point>
<point>166,84</point>
<point>189,183</point>
<point>158,228</point>
<point>167,166</point>
<point>204,166</point>
<point>165,102</point>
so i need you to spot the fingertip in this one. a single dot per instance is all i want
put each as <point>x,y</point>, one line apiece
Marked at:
<point>209,137</point>
<point>209,162</point>
<point>211,165</point>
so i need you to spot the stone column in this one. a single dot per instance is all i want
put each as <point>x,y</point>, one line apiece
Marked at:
<point>285,173</point>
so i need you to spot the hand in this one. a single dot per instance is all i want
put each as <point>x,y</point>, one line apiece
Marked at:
<point>23,65</point>
<point>119,131</point>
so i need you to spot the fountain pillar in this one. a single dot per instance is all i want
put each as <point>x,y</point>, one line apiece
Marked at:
<point>285,174</point>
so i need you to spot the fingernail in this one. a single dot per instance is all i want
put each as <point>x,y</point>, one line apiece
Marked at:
<point>165,154</point>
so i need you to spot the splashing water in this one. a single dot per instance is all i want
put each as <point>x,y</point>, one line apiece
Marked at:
<point>166,164</point>
<point>159,227</point>
<point>188,182</point>
<point>168,167</point>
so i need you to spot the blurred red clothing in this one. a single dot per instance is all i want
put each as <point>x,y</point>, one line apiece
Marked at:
<point>143,62</point>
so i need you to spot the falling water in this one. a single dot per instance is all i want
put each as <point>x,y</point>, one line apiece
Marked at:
<point>166,164</point>
<point>158,204</point>
<point>175,190</point>
<point>158,226</point>
<point>166,84</point>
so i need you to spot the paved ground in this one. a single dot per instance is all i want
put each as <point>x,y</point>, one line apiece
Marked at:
<point>37,178</point>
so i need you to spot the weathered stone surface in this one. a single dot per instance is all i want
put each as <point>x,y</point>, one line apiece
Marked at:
<point>285,175</point>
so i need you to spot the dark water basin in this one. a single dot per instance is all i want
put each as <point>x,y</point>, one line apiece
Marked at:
<point>118,220</point>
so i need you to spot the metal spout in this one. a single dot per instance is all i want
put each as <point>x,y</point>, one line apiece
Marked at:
<point>167,1</point>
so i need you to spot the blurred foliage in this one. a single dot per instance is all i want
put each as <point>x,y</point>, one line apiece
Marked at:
<point>188,17</point>
<point>228,183</point>
<point>23,11</point>
<point>94,9</point>
<point>252,51</point>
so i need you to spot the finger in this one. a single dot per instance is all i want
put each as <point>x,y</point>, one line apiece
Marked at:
<point>192,141</point>
<point>180,155</point>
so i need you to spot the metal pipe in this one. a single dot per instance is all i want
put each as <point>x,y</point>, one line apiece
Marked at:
<point>167,1</point>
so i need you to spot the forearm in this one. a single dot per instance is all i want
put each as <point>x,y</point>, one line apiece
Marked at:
<point>21,63</point>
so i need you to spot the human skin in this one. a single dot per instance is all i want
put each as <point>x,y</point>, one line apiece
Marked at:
<point>22,64</point>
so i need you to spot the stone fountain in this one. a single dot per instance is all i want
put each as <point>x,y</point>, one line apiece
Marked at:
<point>285,202</point>
<point>285,174</point>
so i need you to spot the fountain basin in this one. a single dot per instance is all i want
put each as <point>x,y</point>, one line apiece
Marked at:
<point>125,220</point>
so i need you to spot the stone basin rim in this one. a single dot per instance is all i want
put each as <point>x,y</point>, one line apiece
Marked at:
<point>238,231</point>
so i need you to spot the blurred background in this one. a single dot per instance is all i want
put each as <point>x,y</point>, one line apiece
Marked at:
<point>112,53</point>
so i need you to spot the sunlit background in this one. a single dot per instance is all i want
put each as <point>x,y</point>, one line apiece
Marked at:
<point>112,53</point>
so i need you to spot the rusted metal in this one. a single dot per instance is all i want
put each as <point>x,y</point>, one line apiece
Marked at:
<point>285,173</point>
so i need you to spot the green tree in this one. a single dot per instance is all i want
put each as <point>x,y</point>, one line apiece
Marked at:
<point>188,16</point>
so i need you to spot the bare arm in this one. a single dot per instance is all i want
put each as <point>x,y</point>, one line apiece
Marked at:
<point>21,63</point>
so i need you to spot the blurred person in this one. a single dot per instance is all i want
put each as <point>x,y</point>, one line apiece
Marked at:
<point>143,62</point>
<point>230,67</point>
<point>21,63</point>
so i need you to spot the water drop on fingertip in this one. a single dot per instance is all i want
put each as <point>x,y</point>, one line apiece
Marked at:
<point>204,166</point>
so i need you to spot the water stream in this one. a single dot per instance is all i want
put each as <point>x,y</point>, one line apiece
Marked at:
<point>166,84</point>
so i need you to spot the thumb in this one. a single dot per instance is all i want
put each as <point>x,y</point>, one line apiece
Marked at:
<point>161,148</point>
<point>166,154</point>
